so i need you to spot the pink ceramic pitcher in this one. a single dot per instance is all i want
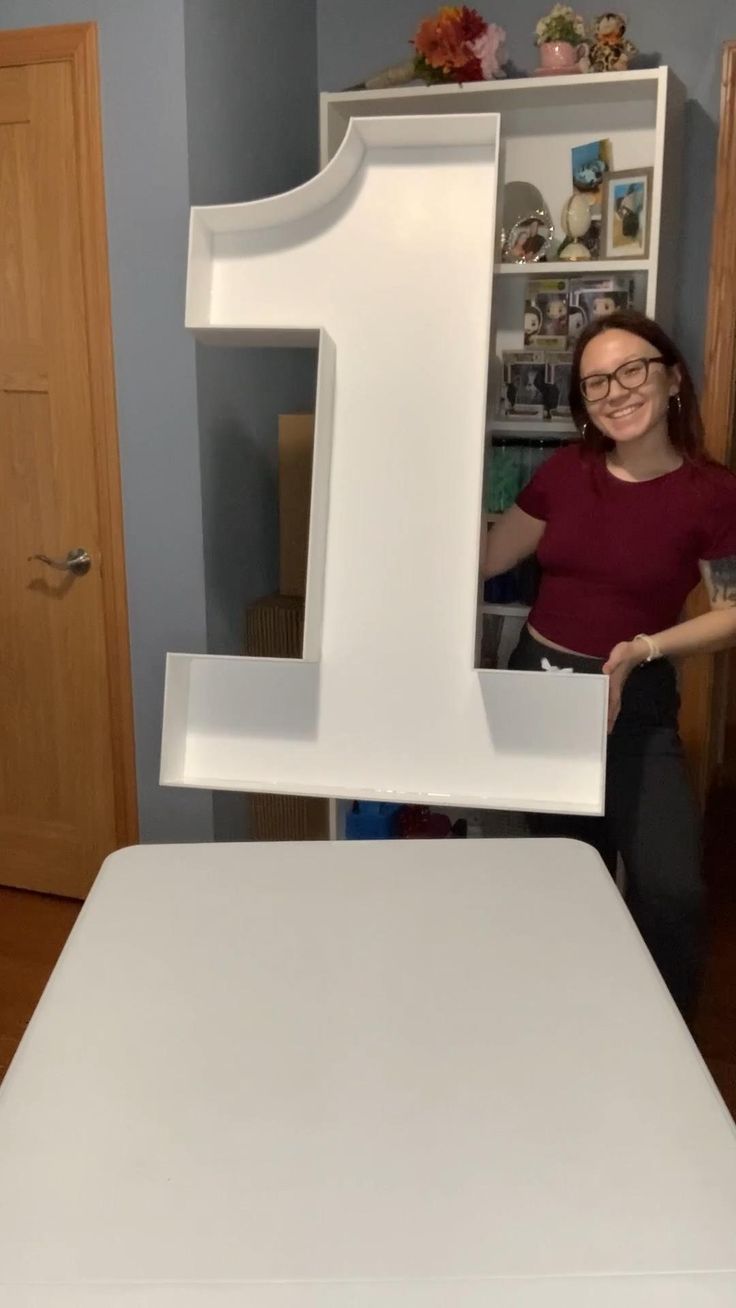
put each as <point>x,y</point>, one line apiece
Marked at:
<point>563,57</point>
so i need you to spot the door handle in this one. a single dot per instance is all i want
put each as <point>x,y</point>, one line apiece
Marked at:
<point>77,561</point>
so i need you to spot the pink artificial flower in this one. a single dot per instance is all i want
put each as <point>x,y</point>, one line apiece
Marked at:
<point>490,50</point>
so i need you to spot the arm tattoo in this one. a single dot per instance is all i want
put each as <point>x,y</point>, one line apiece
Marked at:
<point>723,579</point>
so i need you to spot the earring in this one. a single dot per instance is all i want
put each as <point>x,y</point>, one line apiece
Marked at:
<point>678,404</point>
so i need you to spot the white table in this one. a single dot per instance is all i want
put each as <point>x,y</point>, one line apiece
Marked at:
<point>362,1076</point>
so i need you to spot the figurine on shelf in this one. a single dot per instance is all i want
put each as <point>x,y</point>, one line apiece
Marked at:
<point>610,49</point>
<point>576,321</point>
<point>550,399</point>
<point>554,319</point>
<point>577,222</point>
<point>532,322</point>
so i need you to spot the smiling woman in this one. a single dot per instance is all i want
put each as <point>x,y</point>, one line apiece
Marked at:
<point>624,525</point>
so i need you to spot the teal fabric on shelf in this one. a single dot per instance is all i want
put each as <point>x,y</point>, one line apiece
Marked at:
<point>505,476</point>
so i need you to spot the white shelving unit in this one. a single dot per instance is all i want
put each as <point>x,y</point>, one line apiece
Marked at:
<point>541,120</point>
<point>559,268</point>
<point>506,610</point>
<point>530,427</point>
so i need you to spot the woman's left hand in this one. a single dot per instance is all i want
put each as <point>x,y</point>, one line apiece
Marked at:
<point>620,663</point>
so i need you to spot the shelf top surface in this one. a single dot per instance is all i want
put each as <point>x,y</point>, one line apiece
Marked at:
<point>636,83</point>
<point>575,268</point>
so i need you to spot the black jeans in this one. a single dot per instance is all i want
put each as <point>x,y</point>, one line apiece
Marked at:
<point>651,818</point>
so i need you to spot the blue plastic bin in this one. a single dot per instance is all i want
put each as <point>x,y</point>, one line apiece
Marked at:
<point>367,820</point>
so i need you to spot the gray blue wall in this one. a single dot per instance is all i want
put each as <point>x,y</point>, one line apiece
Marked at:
<point>252,104</point>
<point>249,71</point>
<point>147,183</point>
<point>359,37</point>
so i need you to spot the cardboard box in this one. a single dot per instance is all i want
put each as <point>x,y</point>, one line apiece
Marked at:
<point>296,442</point>
<point>274,628</point>
<point>288,817</point>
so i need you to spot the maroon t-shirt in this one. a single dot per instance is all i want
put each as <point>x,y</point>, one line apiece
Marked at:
<point>620,557</point>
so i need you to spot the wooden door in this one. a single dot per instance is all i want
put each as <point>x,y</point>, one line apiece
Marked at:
<point>66,745</point>
<point>705,696</point>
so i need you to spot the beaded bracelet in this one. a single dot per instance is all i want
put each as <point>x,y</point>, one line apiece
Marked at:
<point>654,650</point>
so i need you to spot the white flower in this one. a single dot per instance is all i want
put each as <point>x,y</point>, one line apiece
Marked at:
<point>560,17</point>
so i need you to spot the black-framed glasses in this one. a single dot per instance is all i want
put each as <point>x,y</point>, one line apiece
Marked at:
<point>630,375</point>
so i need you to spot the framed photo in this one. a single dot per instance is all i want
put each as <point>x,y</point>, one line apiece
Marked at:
<point>529,240</point>
<point>590,163</point>
<point>626,204</point>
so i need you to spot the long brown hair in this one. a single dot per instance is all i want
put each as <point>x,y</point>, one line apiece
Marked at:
<point>684,423</point>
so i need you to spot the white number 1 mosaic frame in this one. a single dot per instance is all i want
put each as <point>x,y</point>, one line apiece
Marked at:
<point>385,259</point>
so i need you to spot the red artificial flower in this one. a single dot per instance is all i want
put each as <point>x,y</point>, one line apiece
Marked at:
<point>455,45</point>
<point>444,44</point>
<point>438,40</point>
<point>472,24</point>
<point>472,71</point>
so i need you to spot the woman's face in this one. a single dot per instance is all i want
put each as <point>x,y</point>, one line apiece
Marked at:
<point>627,415</point>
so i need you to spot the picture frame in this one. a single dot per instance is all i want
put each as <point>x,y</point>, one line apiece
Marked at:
<point>590,164</point>
<point>530,239</point>
<point>626,214</point>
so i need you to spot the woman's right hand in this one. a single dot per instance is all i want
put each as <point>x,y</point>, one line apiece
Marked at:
<point>510,540</point>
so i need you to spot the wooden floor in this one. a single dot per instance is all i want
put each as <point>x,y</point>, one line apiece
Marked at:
<point>715,1027</point>
<point>33,929</point>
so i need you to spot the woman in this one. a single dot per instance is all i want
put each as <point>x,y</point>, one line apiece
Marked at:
<point>623,524</point>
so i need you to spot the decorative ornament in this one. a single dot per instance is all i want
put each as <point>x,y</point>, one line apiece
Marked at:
<point>560,37</point>
<point>576,221</point>
<point>530,239</point>
<point>610,49</point>
<point>560,24</point>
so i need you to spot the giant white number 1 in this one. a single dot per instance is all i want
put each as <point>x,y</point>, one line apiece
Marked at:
<point>387,258</point>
